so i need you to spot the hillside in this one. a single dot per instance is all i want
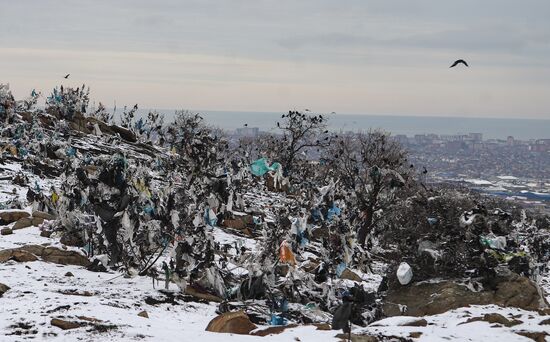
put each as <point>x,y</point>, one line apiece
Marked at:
<point>146,230</point>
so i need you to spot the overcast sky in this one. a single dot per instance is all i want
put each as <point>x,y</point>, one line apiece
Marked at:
<point>356,56</point>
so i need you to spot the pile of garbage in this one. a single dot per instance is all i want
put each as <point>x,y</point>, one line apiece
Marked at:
<point>304,226</point>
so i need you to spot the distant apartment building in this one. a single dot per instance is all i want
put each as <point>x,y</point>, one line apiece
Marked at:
<point>476,136</point>
<point>247,131</point>
<point>401,138</point>
<point>420,139</point>
<point>540,145</point>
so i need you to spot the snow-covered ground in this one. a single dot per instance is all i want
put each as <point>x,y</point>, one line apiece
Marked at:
<point>453,326</point>
<point>36,297</point>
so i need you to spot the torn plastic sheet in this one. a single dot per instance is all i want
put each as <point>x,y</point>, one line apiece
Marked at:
<point>260,167</point>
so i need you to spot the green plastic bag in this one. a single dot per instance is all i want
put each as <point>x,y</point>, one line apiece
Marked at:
<point>260,167</point>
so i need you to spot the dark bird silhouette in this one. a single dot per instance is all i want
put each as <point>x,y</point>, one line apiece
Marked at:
<point>425,171</point>
<point>67,76</point>
<point>307,110</point>
<point>245,125</point>
<point>459,61</point>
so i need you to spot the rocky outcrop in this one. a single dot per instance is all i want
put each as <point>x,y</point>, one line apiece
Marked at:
<point>495,318</point>
<point>23,219</point>
<point>231,322</point>
<point>43,215</point>
<point>50,254</point>
<point>10,216</point>
<point>26,222</point>
<point>6,231</point>
<point>59,256</point>
<point>431,298</point>
<point>535,336</point>
<point>23,256</point>
<point>65,325</point>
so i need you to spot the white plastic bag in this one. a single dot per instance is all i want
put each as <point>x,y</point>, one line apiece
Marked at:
<point>404,273</point>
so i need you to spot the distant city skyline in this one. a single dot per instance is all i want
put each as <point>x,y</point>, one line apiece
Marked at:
<point>357,57</point>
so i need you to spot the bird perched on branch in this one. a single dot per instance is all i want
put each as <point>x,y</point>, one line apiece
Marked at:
<point>459,61</point>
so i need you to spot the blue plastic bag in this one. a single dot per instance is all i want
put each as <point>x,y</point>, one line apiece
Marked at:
<point>278,320</point>
<point>210,217</point>
<point>71,152</point>
<point>333,211</point>
<point>340,268</point>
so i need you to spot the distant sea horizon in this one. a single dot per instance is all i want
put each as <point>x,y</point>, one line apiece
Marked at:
<point>491,128</point>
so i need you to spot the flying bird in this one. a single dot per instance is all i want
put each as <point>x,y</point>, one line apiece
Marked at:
<point>459,61</point>
<point>67,76</point>
<point>245,125</point>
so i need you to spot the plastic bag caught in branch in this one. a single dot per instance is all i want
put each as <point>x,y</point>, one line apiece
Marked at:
<point>260,167</point>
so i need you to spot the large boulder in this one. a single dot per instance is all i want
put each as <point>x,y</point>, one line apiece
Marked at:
<point>50,254</point>
<point>231,322</point>
<point>431,298</point>
<point>16,254</point>
<point>26,222</point>
<point>34,249</point>
<point>64,324</point>
<point>495,318</point>
<point>6,231</point>
<point>5,255</point>
<point>23,256</point>
<point>23,222</point>
<point>9,216</point>
<point>63,257</point>
<point>43,215</point>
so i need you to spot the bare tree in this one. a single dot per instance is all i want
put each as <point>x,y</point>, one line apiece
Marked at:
<point>371,167</point>
<point>300,133</point>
